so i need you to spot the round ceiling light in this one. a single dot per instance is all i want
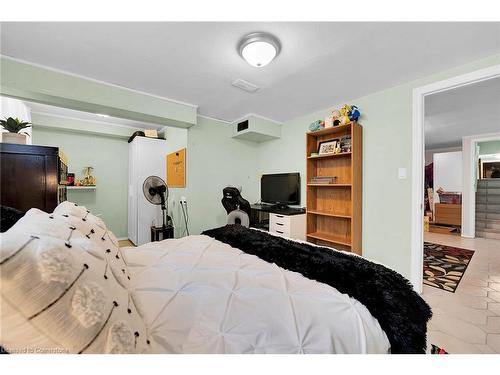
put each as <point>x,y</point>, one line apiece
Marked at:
<point>259,49</point>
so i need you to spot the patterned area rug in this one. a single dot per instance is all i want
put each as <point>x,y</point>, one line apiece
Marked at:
<point>437,350</point>
<point>444,266</point>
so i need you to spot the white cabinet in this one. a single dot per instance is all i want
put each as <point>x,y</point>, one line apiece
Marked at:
<point>146,158</point>
<point>290,226</point>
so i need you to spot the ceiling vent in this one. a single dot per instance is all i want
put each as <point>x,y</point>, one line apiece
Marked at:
<point>245,86</point>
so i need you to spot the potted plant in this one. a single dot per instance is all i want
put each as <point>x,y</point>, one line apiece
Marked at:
<point>15,133</point>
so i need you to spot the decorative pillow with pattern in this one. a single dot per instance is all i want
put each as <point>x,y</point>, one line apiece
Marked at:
<point>67,287</point>
<point>101,243</point>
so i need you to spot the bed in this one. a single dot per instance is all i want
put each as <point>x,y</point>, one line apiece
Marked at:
<point>67,287</point>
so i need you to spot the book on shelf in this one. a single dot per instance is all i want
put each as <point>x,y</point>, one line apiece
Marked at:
<point>346,144</point>
<point>323,180</point>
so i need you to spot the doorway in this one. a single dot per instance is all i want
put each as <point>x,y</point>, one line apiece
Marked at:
<point>459,273</point>
<point>418,157</point>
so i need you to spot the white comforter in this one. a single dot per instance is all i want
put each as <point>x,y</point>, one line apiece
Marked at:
<point>199,295</point>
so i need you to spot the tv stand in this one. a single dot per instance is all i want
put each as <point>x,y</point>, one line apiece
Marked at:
<point>279,219</point>
<point>281,209</point>
<point>280,206</point>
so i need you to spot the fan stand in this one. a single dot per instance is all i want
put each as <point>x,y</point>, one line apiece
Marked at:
<point>153,191</point>
<point>156,192</point>
<point>163,210</point>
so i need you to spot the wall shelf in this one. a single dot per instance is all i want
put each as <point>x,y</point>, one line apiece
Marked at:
<point>75,188</point>
<point>330,155</point>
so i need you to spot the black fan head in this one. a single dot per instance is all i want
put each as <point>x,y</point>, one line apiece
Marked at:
<point>153,188</point>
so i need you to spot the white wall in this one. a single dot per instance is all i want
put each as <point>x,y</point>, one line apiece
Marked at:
<point>448,172</point>
<point>15,108</point>
<point>429,154</point>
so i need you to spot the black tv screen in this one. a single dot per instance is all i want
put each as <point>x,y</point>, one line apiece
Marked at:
<point>282,188</point>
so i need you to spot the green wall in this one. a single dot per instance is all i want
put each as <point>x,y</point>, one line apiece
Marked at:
<point>214,161</point>
<point>176,140</point>
<point>387,143</point>
<point>488,148</point>
<point>104,146</point>
<point>60,89</point>
<point>109,157</point>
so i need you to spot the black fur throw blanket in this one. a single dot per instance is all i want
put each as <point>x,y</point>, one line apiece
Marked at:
<point>389,297</point>
<point>8,217</point>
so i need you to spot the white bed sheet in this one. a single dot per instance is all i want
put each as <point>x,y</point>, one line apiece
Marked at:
<point>199,295</point>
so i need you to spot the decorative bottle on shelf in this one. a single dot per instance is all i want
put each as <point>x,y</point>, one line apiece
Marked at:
<point>88,180</point>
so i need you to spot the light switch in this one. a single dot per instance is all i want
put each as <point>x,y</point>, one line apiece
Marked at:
<point>402,173</point>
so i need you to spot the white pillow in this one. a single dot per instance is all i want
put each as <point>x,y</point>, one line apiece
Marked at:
<point>66,287</point>
<point>101,243</point>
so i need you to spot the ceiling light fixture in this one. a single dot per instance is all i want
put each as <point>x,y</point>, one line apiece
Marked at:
<point>259,49</point>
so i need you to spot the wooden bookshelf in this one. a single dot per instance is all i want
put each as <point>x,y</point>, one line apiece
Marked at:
<point>334,211</point>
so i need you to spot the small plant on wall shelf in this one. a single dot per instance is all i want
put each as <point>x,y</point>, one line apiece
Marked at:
<point>14,127</point>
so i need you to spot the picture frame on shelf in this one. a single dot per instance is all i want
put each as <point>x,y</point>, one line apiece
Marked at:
<point>327,147</point>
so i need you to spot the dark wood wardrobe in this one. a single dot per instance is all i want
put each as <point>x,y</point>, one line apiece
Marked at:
<point>30,177</point>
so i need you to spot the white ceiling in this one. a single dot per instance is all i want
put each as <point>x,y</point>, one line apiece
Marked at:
<point>321,63</point>
<point>73,114</point>
<point>468,110</point>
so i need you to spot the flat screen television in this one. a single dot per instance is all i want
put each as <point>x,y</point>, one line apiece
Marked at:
<point>281,189</point>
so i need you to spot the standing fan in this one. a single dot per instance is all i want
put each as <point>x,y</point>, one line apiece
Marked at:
<point>156,192</point>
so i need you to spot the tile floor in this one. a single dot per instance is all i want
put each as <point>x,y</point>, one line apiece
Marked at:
<point>468,321</point>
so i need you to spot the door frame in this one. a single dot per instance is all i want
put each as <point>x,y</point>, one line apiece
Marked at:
<point>418,155</point>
